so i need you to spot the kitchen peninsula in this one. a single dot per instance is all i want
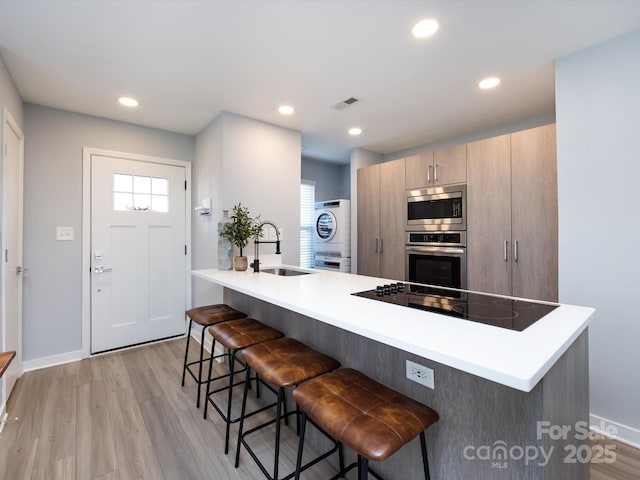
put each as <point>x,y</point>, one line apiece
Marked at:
<point>497,390</point>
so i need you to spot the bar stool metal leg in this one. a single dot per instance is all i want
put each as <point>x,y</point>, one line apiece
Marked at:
<point>232,361</point>
<point>303,427</point>
<point>200,365</point>
<point>186,351</point>
<point>425,459</point>
<point>206,403</point>
<point>281,404</point>
<point>363,470</point>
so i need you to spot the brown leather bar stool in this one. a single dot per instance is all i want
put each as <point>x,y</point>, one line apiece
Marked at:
<point>205,316</point>
<point>235,336</point>
<point>371,419</point>
<point>281,363</point>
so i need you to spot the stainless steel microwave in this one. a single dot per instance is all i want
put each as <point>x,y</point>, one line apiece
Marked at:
<point>437,208</point>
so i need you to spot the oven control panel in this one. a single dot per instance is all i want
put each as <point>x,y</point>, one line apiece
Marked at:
<point>458,239</point>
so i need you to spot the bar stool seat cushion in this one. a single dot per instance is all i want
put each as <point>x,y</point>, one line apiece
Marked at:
<point>238,334</point>
<point>211,314</point>
<point>287,362</point>
<point>368,417</point>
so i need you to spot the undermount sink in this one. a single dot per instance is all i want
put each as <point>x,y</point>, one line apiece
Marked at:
<point>284,272</point>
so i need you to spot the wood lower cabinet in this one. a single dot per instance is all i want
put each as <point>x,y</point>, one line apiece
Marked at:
<point>442,167</point>
<point>381,220</point>
<point>512,222</point>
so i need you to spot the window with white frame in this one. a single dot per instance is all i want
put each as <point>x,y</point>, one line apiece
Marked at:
<point>307,218</point>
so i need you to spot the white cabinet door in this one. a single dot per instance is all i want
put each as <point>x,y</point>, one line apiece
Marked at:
<point>138,256</point>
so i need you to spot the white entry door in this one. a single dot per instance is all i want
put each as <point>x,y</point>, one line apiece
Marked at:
<point>138,252</point>
<point>12,268</point>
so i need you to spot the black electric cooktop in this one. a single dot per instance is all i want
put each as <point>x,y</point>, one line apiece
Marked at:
<point>492,310</point>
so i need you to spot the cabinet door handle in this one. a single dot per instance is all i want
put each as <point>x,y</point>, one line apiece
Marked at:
<point>429,173</point>
<point>380,246</point>
<point>435,173</point>
<point>376,246</point>
<point>515,251</point>
<point>506,250</point>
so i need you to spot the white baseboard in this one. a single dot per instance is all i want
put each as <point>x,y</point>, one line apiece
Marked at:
<point>38,363</point>
<point>62,358</point>
<point>617,431</point>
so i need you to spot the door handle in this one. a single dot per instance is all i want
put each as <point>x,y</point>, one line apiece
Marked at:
<point>429,173</point>
<point>515,251</point>
<point>101,269</point>
<point>20,269</point>
<point>506,250</point>
<point>435,173</point>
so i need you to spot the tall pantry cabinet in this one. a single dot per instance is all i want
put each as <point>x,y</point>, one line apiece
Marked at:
<point>381,220</point>
<point>512,219</point>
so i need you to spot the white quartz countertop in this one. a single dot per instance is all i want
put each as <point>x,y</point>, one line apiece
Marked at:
<point>515,359</point>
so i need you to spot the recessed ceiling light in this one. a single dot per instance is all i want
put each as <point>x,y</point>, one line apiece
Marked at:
<point>355,131</point>
<point>425,28</point>
<point>490,82</point>
<point>128,101</point>
<point>286,110</point>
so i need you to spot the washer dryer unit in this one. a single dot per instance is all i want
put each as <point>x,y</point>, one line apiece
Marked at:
<point>332,233</point>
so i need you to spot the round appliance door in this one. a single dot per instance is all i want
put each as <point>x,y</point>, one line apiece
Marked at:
<point>326,226</point>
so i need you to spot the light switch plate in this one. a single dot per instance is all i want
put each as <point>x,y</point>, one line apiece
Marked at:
<point>64,234</point>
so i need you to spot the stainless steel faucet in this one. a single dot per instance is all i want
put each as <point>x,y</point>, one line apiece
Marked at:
<point>257,242</point>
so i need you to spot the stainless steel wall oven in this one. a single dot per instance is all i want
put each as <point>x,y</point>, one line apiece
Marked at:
<point>437,258</point>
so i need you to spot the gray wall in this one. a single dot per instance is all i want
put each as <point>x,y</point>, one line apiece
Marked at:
<point>207,183</point>
<point>597,111</point>
<point>332,180</point>
<point>9,96</point>
<point>260,165</point>
<point>53,197</point>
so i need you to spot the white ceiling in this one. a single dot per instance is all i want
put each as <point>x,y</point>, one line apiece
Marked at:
<point>187,61</point>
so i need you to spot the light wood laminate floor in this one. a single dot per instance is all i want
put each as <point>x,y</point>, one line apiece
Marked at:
<point>124,416</point>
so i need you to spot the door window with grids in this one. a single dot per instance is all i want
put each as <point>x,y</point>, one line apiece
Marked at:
<point>140,194</point>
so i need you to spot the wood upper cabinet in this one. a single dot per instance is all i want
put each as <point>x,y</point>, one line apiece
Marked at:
<point>381,220</point>
<point>512,222</point>
<point>442,167</point>
<point>419,170</point>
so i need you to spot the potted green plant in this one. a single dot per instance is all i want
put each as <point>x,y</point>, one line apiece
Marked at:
<point>239,231</point>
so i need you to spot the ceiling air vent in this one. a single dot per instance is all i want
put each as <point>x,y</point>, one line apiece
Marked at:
<point>345,103</point>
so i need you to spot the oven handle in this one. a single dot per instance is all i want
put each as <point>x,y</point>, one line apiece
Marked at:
<point>436,250</point>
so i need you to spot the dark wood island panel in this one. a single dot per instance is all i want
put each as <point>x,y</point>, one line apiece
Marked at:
<point>486,430</point>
